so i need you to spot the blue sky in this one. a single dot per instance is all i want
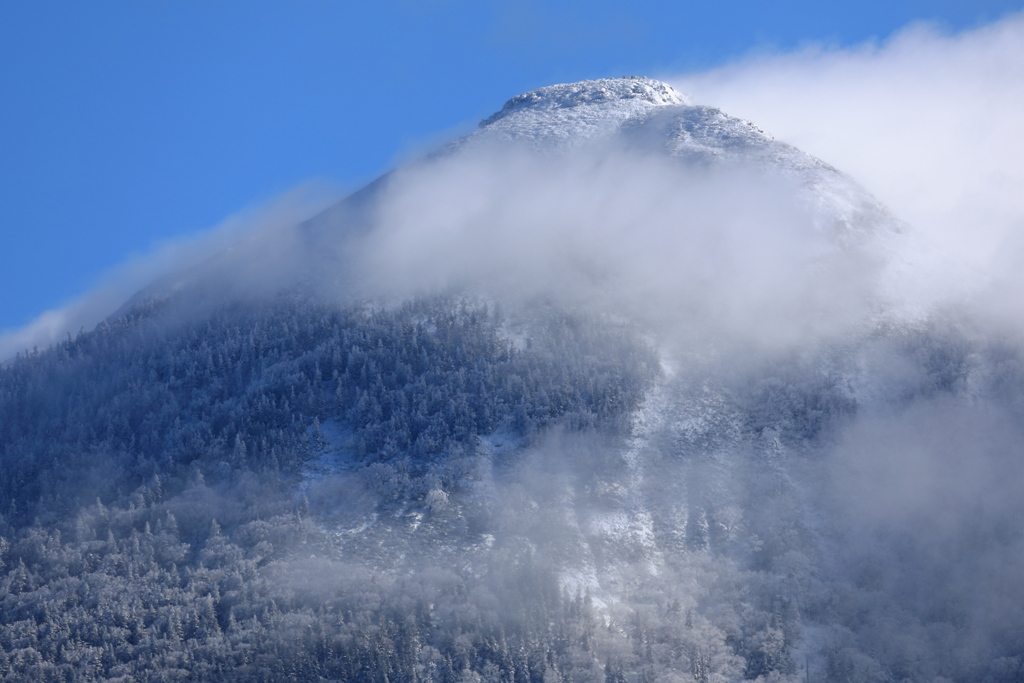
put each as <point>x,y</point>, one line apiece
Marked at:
<point>126,124</point>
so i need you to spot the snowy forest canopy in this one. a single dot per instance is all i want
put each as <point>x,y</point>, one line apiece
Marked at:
<point>442,490</point>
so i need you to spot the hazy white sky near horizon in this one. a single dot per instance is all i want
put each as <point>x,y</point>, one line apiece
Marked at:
<point>926,120</point>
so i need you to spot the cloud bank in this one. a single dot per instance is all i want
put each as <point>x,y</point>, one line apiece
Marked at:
<point>259,230</point>
<point>927,121</point>
<point>729,252</point>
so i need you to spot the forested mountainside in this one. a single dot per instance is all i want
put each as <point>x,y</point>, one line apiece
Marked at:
<point>598,410</point>
<point>140,428</point>
<point>250,390</point>
<point>322,494</point>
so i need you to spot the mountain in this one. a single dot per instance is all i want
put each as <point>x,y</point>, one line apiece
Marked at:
<point>616,387</point>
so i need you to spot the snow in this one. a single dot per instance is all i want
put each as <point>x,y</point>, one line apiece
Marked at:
<point>335,456</point>
<point>650,116</point>
<point>602,92</point>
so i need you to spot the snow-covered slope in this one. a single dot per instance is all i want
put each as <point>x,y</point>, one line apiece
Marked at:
<point>649,115</point>
<point>572,113</point>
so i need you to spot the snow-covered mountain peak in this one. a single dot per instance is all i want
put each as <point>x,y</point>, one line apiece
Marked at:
<point>647,116</point>
<point>629,90</point>
<point>572,113</point>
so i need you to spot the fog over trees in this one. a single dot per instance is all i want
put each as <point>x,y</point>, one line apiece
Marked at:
<point>588,415</point>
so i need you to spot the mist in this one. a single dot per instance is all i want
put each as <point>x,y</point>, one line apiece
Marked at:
<point>262,234</point>
<point>728,253</point>
<point>926,120</point>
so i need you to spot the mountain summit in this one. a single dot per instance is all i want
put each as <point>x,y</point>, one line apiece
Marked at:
<point>628,95</point>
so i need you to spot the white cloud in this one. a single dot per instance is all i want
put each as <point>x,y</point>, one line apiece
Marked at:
<point>724,252</point>
<point>253,226</point>
<point>929,122</point>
